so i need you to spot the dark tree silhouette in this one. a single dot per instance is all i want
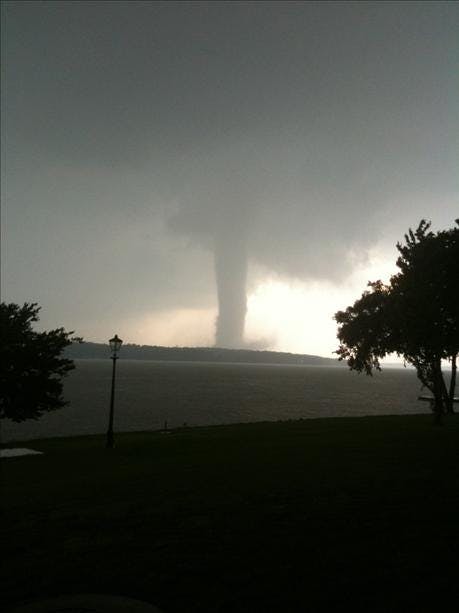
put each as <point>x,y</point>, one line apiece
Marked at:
<point>415,316</point>
<point>32,367</point>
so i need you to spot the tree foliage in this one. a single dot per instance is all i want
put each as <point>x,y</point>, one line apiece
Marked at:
<point>32,365</point>
<point>415,316</point>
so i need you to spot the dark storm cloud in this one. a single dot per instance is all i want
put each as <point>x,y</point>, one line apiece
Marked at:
<point>275,133</point>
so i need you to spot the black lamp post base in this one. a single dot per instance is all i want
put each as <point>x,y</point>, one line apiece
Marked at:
<point>110,440</point>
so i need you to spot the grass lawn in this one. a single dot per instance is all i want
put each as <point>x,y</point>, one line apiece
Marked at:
<point>315,515</point>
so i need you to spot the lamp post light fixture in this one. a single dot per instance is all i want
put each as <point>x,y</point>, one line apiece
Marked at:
<point>115,345</point>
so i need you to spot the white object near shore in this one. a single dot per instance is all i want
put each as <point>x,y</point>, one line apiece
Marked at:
<point>18,451</point>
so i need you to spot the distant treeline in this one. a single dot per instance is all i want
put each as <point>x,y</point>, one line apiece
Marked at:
<point>84,351</point>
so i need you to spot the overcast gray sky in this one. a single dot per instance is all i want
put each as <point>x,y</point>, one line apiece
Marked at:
<point>163,162</point>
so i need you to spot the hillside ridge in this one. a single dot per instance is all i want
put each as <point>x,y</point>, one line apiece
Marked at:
<point>130,351</point>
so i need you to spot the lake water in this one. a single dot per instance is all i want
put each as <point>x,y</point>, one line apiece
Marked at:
<point>198,393</point>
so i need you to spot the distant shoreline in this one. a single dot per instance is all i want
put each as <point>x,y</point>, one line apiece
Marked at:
<point>89,350</point>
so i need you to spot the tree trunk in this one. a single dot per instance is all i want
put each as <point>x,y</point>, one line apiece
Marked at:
<point>452,383</point>
<point>438,390</point>
<point>446,400</point>
<point>438,410</point>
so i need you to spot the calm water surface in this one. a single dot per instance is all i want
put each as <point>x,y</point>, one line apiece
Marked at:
<point>198,393</point>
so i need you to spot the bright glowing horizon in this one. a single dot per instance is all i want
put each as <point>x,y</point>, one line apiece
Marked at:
<point>289,316</point>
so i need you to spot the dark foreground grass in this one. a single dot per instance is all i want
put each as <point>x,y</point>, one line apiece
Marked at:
<point>317,515</point>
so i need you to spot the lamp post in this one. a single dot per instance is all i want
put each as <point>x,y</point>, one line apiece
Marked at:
<point>115,344</point>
